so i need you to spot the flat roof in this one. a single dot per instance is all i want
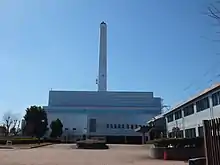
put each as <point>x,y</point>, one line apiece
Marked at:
<point>214,87</point>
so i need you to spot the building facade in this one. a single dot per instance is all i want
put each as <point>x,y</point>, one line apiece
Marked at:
<point>186,120</point>
<point>102,113</point>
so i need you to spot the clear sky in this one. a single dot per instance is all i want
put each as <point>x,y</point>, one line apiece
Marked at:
<point>153,45</point>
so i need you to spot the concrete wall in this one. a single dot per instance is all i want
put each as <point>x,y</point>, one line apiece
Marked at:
<point>176,153</point>
<point>79,119</point>
<point>118,118</point>
<point>70,121</point>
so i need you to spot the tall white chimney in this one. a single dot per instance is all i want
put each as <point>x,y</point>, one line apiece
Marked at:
<point>102,78</point>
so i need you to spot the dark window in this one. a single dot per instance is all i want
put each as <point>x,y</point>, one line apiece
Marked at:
<point>171,134</point>
<point>178,114</point>
<point>74,129</point>
<point>132,126</point>
<point>136,126</point>
<point>127,126</point>
<point>111,125</point>
<point>216,98</point>
<point>190,133</point>
<point>189,110</point>
<point>177,134</point>
<point>200,130</point>
<point>92,125</point>
<point>202,104</point>
<point>66,129</point>
<point>115,125</point>
<point>122,126</point>
<point>170,118</point>
<point>107,125</point>
<point>180,134</point>
<point>119,125</point>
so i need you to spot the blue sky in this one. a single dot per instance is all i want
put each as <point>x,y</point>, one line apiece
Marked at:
<point>159,46</point>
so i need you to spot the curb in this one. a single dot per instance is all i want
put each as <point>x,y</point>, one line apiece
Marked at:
<point>43,145</point>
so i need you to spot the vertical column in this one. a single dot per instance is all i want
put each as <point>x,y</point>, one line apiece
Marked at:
<point>211,107</point>
<point>102,78</point>
<point>183,122</point>
<point>195,114</point>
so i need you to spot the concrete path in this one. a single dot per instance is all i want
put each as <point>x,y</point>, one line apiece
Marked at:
<point>66,154</point>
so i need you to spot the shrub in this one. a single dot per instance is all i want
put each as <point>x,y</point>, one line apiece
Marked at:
<point>178,142</point>
<point>50,140</point>
<point>91,144</point>
<point>20,141</point>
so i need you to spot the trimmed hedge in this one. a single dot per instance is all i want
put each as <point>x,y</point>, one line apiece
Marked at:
<point>178,142</point>
<point>91,144</point>
<point>20,141</point>
<point>17,140</point>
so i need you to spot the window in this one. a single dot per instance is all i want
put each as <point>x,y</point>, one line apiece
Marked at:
<point>92,125</point>
<point>216,98</point>
<point>180,134</point>
<point>189,110</point>
<point>200,129</point>
<point>107,125</point>
<point>132,126</point>
<point>178,114</point>
<point>74,129</point>
<point>136,126</point>
<point>122,126</point>
<point>127,126</point>
<point>202,104</point>
<point>119,125</point>
<point>66,129</point>
<point>111,125</point>
<point>190,133</point>
<point>115,125</point>
<point>171,134</point>
<point>170,118</point>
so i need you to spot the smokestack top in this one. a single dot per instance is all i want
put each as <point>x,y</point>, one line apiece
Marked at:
<point>103,23</point>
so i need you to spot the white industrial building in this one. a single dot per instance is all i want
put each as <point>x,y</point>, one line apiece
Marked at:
<point>111,114</point>
<point>187,118</point>
<point>105,114</point>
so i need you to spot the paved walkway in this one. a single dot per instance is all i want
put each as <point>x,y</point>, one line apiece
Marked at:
<point>64,154</point>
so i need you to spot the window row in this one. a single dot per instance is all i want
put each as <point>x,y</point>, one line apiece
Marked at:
<point>67,129</point>
<point>200,106</point>
<point>123,126</point>
<point>189,133</point>
<point>189,110</point>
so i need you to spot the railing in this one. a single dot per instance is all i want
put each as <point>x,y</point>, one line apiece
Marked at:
<point>212,141</point>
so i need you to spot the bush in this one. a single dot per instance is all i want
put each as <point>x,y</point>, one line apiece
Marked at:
<point>53,140</point>
<point>178,142</point>
<point>91,144</point>
<point>20,141</point>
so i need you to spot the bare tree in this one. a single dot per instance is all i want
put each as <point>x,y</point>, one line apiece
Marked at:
<point>11,124</point>
<point>214,12</point>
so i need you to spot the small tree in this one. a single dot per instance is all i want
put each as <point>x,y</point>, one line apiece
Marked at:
<point>36,121</point>
<point>57,128</point>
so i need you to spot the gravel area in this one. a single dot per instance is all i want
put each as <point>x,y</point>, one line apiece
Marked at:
<point>66,154</point>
